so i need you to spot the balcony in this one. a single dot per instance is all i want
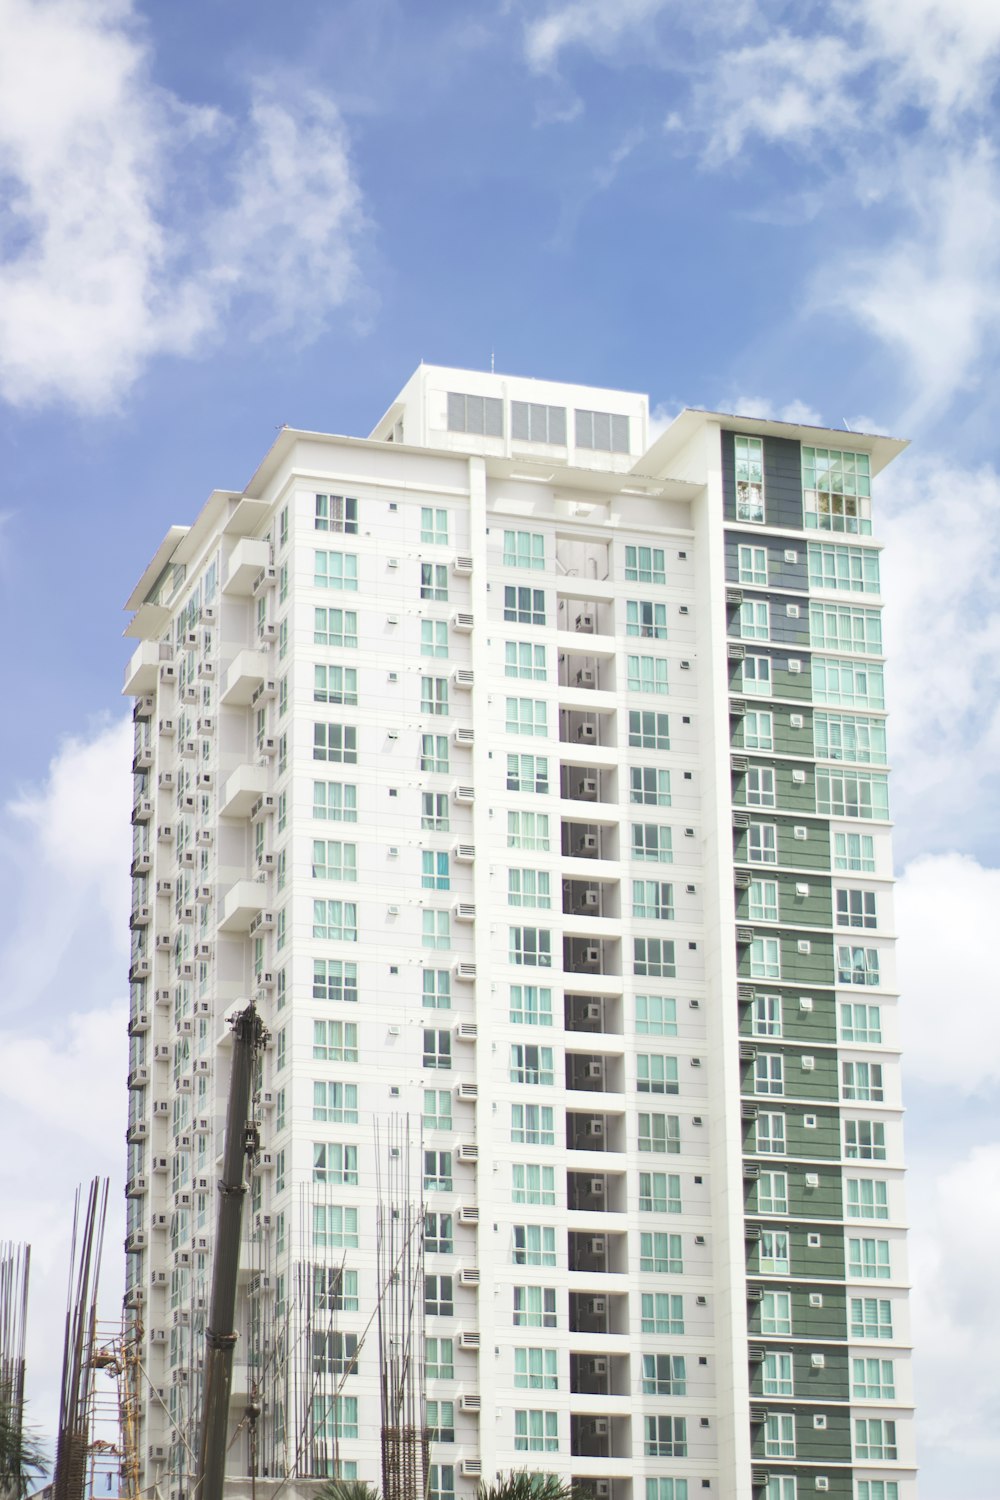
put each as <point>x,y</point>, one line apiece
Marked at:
<point>589,840</point>
<point>599,1435</point>
<point>246,673</point>
<point>595,1073</point>
<point>593,1014</point>
<point>601,1254</point>
<point>591,898</point>
<point>583,783</point>
<point>583,724</point>
<point>591,955</point>
<point>596,1192</point>
<point>246,561</point>
<point>242,790</point>
<point>243,902</point>
<point>142,672</point>
<point>586,671</point>
<point>598,1312</point>
<point>586,1131</point>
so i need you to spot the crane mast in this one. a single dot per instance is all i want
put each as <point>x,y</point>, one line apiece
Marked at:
<point>242,1141</point>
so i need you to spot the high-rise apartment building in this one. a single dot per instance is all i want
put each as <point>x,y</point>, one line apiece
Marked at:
<point>530,773</point>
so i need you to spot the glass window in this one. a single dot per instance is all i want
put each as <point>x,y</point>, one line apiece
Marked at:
<point>779,1435</point>
<point>776,1313</point>
<point>335,742</point>
<point>771,1135</point>
<point>762,843</point>
<point>336,1164</point>
<point>854,569</point>
<point>661,1312</point>
<point>847,684</point>
<point>838,627</point>
<point>434,811</point>
<point>868,1259</point>
<point>524,606</point>
<point>523,549</point>
<point>767,1016</point>
<point>763,901</point>
<point>854,851</point>
<point>850,737</point>
<point>530,1063</point>
<point>336,801</point>
<point>336,570</point>
<point>335,1103</point>
<point>769,1073</point>
<point>757,676</point>
<point>524,659</point>
<point>333,979</point>
<point>530,945</point>
<point>434,752</point>
<point>855,908</point>
<point>536,1431</point>
<point>871,1318</point>
<point>648,730</point>
<point>774,1255</point>
<point>755,622</point>
<point>526,830</point>
<point>655,1015</point>
<point>860,1023</point>
<point>751,566</point>
<point>649,785</point>
<point>659,1193</point>
<point>336,513</point>
<point>660,1134</point>
<point>653,899</point>
<point>332,860</point>
<point>758,787</point>
<point>434,638</point>
<point>436,989</point>
<point>874,1440</point>
<point>646,619</point>
<point>435,868</point>
<point>867,1198</point>
<point>437,1172</point>
<point>862,1080</point>
<point>433,695</point>
<point>530,1005</point>
<point>335,1041</point>
<point>873,1380</point>
<point>665,1437</point>
<point>526,716</point>
<point>439,1359</point>
<point>664,1375</point>
<point>532,1125</point>
<point>836,490</point>
<point>528,773</point>
<point>661,1254</point>
<point>852,794</point>
<point>437,1049</point>
<point>758,730</point>
<point>439,1239</point>
<point>531,1183</point>
<point>864,1140</point>
<point>749,465</point>
<point>439,1296</point>
<point>534,1307</point>
<point>646,674</point>
<point>765,958</point>
<point>857,966</point>
<point>335,627</point>
<point>528,888</point>
<point>772,1193</point>
<point>656,1074</point>
<point>337,920</point>
<point>533,1245</point>
<point>652,841</point>
<point>441,1482</point>
<point>434,526</point>
<point>653,958</point>
<point>645,565</point>
<point>433,581</point>
<point>536,1369</point>
<point>437,1109</point>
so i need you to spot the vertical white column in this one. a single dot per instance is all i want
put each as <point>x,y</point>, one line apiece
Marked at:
<point>725,1146</point>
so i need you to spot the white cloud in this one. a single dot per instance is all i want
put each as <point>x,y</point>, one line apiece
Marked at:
<point>64,983</point>
<point>760,406</point>
<point>946,51</point>
<point>594,24</point>
<point>941,579</point>
<point>111,262</point>
<point>949,894</point>
<point>956,1296</point>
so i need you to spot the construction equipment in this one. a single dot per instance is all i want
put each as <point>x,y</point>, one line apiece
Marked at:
<point>242,1141</point>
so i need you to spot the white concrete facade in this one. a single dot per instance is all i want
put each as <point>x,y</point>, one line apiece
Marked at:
<point>472,606</point>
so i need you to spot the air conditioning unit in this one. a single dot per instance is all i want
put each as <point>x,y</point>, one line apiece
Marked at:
<point>468,1093</point>
<point>462,565</point>
<point>265,580</point>
<point>597,1306</point>
<point>157,1336</point>
<point>594,1068</point>
<point>471,1404</point>
<point>203,893</point>
<point>462,621</point>
<point>466,1031</point>
<point>157,1452</point>
<point>468,1215</point>
<point>463,736</point>
<point>587,733</point>
<point>592,1011</point>
<point>465,971</point>
<point>463,677</point>
<point>468,1152</point>
<point>743,879</point>
<point>586,624</point>
<point>465,911</point>
<point>587,845</point>
<point>469,1276</point>
<point>161,1108</point>
<point>734,652</point>
<point>590,956</point>
<point>751,1171</point>
<point>586,788</point>
<point>264,920</point>
<point>464,794</point>
<point>597,1245</point>
<point>465,854</point>
<point>739,763</point>
<point>595,1129</point>
<point>165,833</point>
<point>161,1052</point>
<point>600,1426</point>
<point>589,900</point>
<point>596,1187</point>
<point>586,677</point>
<point>204,838</point>
<point>469,1339</point>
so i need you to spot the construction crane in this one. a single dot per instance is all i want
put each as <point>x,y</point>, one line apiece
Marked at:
<point>242,1142</point>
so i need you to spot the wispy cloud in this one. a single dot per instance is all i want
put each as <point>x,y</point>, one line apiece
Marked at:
<point>110,260</point>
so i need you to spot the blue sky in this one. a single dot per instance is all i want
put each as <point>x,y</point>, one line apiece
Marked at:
<point>220,217</point>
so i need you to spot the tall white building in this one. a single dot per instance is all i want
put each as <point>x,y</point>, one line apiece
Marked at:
<point>530,774</point>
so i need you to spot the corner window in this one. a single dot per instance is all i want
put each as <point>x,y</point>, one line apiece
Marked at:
<point>749,456</point>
